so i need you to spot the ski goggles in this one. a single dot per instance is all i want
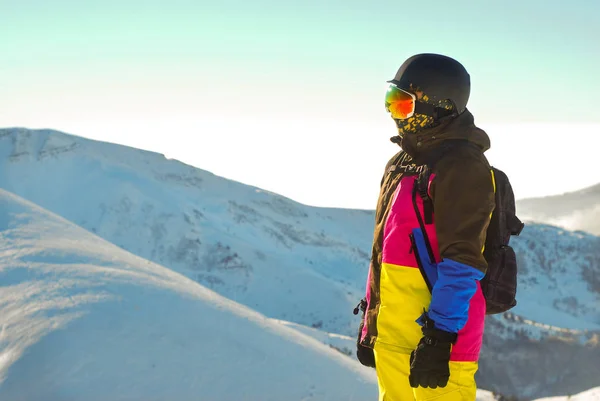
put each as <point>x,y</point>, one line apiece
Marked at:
<point>400,103</point>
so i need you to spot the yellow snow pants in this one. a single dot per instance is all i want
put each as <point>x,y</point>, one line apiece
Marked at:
<point>393,368</point>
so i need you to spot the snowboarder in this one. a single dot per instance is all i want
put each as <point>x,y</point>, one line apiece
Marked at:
<point>424,312</point>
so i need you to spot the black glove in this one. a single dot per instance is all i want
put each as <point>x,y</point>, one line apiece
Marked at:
<point>429,361</point>
<point>365,355</point>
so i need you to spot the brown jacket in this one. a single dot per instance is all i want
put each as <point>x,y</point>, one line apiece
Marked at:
<point>462,192</point>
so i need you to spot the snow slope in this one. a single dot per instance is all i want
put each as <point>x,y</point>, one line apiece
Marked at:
<point>247,244</point>
<point>83,319</point>
<point>559,277</point>
<point>590,395</point>
<point>303,264</point>
<point>579,210</point>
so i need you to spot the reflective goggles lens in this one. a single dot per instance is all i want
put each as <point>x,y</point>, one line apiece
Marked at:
<point>399,103</point>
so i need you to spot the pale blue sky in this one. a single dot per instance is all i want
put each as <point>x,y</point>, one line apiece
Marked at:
<point>281,94</point>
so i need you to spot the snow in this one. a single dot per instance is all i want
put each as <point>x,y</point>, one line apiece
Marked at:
<point>83,319</point>
<point>552,289</point>
<point>590,395</point>
<point>251,245</point>
<point>301,268</point>
<point>235,239</point>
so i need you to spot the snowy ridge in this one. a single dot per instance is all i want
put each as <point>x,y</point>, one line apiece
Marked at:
<point>84,319</point>
<point>300,264</point>
<point>578,210</point>
<point>236,239</point>
<point>559,281</point>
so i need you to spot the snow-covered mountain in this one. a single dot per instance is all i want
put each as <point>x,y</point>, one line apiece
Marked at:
<point>579,210</point>
<point>82,319</point>
<point>254,247</point>
<point>300,264</point>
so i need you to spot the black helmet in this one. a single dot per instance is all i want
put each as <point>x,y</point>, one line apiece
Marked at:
<point>439,77</point>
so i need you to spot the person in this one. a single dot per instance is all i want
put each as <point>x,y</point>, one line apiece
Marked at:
<point>424,309</point>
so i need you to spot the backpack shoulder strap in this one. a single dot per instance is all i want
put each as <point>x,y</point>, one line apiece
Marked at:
<point>420,189</point>
<point>505,199</point>
<point>423,189</point>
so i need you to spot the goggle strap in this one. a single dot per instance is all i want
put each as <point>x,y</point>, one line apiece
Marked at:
<point>432,111</point>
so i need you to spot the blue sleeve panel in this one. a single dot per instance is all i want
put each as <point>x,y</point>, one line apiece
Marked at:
<point>452,294</point>
<point>454,284</point>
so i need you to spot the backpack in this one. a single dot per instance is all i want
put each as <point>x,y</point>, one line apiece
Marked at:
<point>499,284</point>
